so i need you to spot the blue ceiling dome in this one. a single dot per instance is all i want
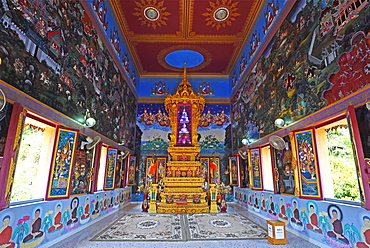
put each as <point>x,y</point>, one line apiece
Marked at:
<point>177,58</point>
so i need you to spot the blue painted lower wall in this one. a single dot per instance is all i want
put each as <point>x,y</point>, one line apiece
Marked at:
<point>328,223</point>
<point>36,224</point>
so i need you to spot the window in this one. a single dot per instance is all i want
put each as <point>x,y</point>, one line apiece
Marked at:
<point>337,162</point>
<point>103,162</point>
<point>268,181</point>
<point>34,159</point>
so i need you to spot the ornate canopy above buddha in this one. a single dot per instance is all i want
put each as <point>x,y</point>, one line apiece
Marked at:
<point>184,108</point>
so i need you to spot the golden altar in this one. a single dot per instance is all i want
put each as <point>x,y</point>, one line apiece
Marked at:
<point>183,185</point>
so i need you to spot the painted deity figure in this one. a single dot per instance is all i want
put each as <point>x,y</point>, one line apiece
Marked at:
<point>282,210</point>
<point>365,233</point>
<point>196,199</point>
<point>272,207</point>
<point>35,228</point>
<point>169,199</point>
<point>295,217</point>
<point>189,173</point>
<point>198,172</point>
<point>178,172</point>
<point>57,218</point>
<point>337,228</point>
<point>6,233</point>
<point>169,173</point>
<point>74,218</point>
<point>96,207</point>
<point>86,209</point>
<point>263,207</point>
<point>313,225</point>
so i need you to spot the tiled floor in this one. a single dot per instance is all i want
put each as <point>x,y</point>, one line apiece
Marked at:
<point>81,239</point>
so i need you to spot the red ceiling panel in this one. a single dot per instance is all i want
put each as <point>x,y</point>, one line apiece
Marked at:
<point>214,28</point>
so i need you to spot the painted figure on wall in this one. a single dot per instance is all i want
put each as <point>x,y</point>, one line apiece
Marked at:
<point>282,213</point>
<point>365,233</point>
<point>272,206</point>
<point>56,220</point>
<point>96,205</point>
<point>6,233</point>
<point>86,209</point>
<point>295,218</point>
<point>336,234</point>
<point>35,231</point>
<point>313,220</point>
<point>74,206</point>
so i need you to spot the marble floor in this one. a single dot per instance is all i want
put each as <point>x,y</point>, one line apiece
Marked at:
<point>82,239</point>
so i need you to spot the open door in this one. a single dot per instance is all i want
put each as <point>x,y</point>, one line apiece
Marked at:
<point>11,149</point>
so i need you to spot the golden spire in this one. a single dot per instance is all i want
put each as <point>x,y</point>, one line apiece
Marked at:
<point>184,88</point>
<point>184,76</point>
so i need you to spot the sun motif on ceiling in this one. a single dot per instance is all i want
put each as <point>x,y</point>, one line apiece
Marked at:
<point>151,13</point>
<point>221,13</point>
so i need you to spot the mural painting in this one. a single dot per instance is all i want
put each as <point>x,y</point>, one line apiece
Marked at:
<point>319,220</point>
<point>284,169</point>
<point>153,120</point>
<point>255,162</point>
<point>61,62</point>
<point>293,80</point>
<point>132,170</point>
<point>60,171</point>
<point>110,169</point>
<point>35,224</point>
<point>82,171</point>
<point>307,162</point>
<point>234,179</point>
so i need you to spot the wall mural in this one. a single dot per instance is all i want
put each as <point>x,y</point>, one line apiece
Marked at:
<point>335,225</point>
<point>284,169</point>
<point>265,21</point>
<point>61,62</point>
<point>294,80</point>
<point>60,171</point>
<point>105,16</point>
<point>51,219</point>
<point>153,120</point>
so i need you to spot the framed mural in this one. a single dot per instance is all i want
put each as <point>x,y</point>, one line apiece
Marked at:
<point>284,170</point>
<point>131,171</point>
<point>119,181</point>
<point>309,177</point>
<point>61,167</point>
<point>216,173</point>
<point>233,168</point>
<point>204,168</point>
<point>256,168</point>
<point>244,170</point>
<point>358,125</point>
<point>110,168</point>
<point>83,165</point>
<point>160,169</point>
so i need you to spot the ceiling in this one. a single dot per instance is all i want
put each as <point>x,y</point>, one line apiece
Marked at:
<point>216,29</point>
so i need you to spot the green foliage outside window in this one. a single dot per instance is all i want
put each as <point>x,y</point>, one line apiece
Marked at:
<point>343,167</point>
<point>27,165</point>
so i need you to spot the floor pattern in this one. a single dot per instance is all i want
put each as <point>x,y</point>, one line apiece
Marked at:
<point>223,226</point>
<point>180,227</point>
<point>83,239</point>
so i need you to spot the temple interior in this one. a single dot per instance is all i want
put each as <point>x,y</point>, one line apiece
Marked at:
<point>190,123</point>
